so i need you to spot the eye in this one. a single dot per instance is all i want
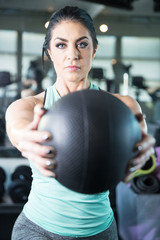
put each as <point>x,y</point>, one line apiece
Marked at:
<point>82,44</point>
<point>60,45</point>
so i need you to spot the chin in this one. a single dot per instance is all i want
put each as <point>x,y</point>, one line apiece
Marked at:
<point>73,78</point>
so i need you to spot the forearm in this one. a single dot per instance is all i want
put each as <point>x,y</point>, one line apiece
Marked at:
<point>14,130</point>
<point>18,116</point>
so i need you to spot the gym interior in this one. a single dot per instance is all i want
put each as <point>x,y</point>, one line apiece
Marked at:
<point>127,62</point>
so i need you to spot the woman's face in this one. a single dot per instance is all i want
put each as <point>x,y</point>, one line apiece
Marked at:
<point>71,50</point>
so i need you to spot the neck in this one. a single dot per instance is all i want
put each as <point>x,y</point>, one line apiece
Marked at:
<point>66,88</point>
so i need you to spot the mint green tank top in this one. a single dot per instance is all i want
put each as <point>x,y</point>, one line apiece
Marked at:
<point>62,211</point>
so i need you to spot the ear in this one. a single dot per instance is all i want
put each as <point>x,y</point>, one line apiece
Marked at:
<point>94,53</point>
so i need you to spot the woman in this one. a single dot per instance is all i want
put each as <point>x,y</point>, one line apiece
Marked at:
<point>53,211</point>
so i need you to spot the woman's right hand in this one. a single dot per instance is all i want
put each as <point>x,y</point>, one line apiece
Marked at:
<point>32,145</point>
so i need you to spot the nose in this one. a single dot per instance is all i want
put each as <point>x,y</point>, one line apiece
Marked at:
<point>73,53</point>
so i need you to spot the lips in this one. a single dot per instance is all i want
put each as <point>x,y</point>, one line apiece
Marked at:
<point>72,68</point>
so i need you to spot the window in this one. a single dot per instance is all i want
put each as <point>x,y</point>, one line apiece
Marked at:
<point>144,55</point>
<point>31,49</point>
<point>105,53</point>
<point>8,51</point>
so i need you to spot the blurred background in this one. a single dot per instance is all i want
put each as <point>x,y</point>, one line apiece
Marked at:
<point>127,62</point>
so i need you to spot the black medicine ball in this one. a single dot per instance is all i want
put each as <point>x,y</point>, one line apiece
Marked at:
<point>94,134</point>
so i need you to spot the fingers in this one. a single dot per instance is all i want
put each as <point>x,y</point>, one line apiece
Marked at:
<point>141,159</point>
<point>144,150</point>
<point>146,142</point>
<point>138,163</point>
<point>42,156</point>
<point>140,116</point>
<point>39,111</point>
<point>36,148</point>
<point>42,164</point>
<point>35,136</point>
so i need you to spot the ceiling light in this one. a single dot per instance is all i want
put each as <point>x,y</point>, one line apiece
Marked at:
<point>50,9</point>
<point>103,28</point>
<point>46,24</point>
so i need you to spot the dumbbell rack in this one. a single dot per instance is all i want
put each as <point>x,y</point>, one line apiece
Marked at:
<point>9,165</point>
<point>9,210</point>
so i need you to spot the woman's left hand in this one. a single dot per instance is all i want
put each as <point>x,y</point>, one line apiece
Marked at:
<point>144,150</point>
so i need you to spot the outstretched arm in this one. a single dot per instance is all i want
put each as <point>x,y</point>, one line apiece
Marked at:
<point>22,119</point>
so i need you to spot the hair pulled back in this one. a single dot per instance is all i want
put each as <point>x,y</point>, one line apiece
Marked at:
<point>69,13</point>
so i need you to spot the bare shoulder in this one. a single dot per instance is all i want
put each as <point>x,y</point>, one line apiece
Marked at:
<point>130,102</point>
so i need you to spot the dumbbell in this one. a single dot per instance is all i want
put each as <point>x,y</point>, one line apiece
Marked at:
<point>2,180</point>
<point>20,186</point>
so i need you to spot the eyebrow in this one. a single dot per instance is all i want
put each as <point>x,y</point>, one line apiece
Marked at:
<point>65,40</point>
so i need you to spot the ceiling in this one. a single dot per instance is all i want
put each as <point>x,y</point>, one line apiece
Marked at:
<point>138,8</point>
<point>94,7</point>
<point>47,5</point>
<point>139,11</point>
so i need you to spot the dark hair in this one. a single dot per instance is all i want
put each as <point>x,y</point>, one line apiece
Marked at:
<point>69,13</point>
